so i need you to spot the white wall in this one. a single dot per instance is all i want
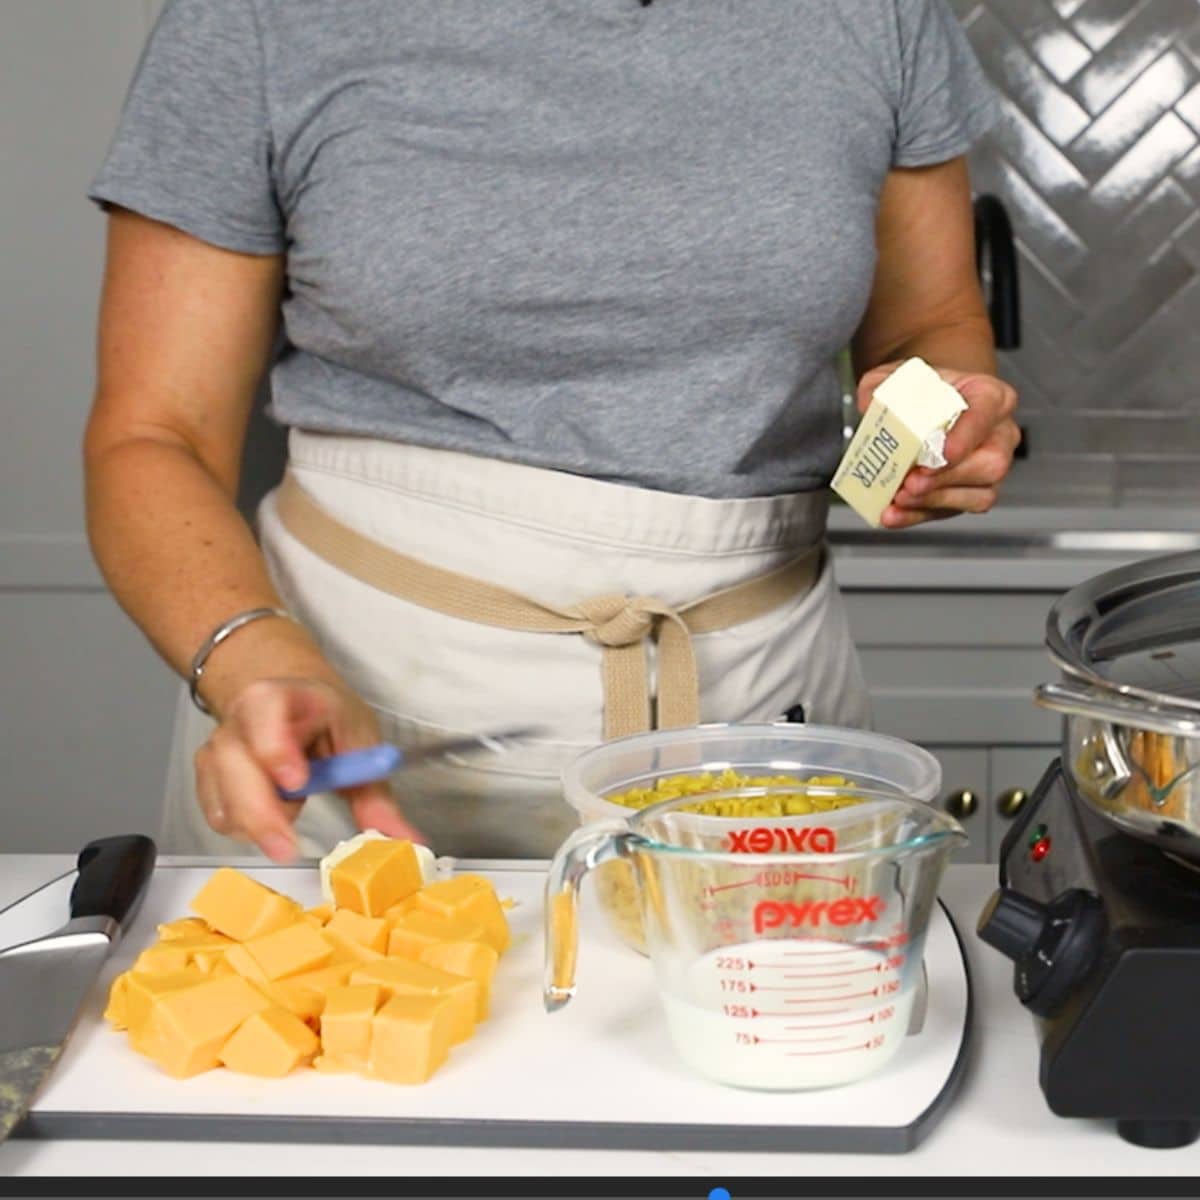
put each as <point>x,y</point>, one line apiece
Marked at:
<point>84,703</point>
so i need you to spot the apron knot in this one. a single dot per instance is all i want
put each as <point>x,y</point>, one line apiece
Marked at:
<point>622,620</point>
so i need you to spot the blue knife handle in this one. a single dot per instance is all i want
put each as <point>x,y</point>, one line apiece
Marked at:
<point>349,769</point>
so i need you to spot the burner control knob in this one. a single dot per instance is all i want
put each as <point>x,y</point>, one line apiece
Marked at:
<point>1053,946</point>
<point>1012,923</point>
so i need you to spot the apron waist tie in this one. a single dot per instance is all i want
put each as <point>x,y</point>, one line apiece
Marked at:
<point>618,624</point>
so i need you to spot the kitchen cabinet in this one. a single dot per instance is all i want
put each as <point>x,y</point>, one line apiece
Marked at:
<point>954,672</point>
<point>986,788</point>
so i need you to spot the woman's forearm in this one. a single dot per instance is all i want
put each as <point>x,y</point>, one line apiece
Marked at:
<point>965,344</point>
<point>180,560</point>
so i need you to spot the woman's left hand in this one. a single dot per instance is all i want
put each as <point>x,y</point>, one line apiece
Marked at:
<point>979,451</point>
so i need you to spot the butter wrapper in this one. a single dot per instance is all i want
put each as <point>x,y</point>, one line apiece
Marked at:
<point>906,425</point>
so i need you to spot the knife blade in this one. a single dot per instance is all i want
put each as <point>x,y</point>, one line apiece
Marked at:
<point>44,983</point>
<point>352,768</point>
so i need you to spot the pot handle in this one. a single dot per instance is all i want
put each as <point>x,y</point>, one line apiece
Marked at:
<point>1078,701</point>
<point>586,848</point>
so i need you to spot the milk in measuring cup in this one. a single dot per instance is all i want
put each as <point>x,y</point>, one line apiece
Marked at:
<point>788,1014</point>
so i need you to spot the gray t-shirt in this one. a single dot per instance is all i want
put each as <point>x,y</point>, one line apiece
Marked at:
<point>602,237</point>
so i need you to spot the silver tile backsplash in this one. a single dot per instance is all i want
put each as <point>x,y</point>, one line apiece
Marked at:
<point>1097,157</point>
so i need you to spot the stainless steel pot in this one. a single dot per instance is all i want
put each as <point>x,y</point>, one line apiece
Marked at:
<point>1128,645</point>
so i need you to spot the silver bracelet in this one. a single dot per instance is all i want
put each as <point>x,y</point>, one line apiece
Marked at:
<point>215,638</point>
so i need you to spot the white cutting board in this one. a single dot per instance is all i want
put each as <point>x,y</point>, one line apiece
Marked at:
<point>599,1073</point>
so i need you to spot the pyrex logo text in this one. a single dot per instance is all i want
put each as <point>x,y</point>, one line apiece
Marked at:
<point>856,910</point>
<point>815,839</point>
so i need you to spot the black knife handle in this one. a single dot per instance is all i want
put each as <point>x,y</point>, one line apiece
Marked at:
<point>113,873</point>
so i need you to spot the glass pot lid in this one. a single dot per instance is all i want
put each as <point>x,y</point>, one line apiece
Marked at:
<point>1134,630</point>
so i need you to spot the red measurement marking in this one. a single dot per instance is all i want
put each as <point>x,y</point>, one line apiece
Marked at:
<point>818,953</point>
<point>820,987</point>
<point>838,1050</point>
<point>724,887</point>
<point>798,1041</point>
<point>791,966</point>
<point>839,999</point>
<point>836,1024</point>
<point>751,1014</point>
<point>792,876</point>
<point>875,970</point>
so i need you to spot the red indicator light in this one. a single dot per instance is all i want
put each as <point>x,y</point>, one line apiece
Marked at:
<point>1040,849</point>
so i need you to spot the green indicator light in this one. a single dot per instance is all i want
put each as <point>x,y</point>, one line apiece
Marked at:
<point>1037,835</point>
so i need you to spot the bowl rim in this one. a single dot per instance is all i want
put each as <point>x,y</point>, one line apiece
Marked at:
<point>573,786</point>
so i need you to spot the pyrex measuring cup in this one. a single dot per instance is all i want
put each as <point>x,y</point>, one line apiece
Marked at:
<point>786,958</point>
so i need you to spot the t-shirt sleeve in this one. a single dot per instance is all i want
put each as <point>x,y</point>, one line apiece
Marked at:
<point>945,101</point>
<point>193,145</point>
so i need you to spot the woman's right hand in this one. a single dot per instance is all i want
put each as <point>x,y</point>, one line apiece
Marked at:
<point>267,734</point>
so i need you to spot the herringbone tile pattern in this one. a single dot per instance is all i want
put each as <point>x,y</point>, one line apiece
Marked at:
<point>1097,156</point>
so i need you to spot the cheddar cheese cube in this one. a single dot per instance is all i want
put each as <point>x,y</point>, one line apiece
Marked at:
<point>346,1022</point>
<point>376,876</point>
<point>188,1027</point>
<point>179,952</point>
<point>304,994</point>
<point>371,932</point>
<point>347,950</point>
<point>271,1043</point>
<point>116,1010</point>
<point>143,988</point>
<point>241,907</point>
<point>212,961</point>
<point>394,911</point>
<point>184,927</point>
<point>320,981</point>
<point>411,1037</point>
<point>290,950</point>
<point>245,964</point>
<point>162,958</point>
<point>301,1002</point>
<point>472,960</point>
<point>471,898</point>
<point>326,1064</point>
<point>319,913</point>
<point>404,977</point>
<point>415,930</point>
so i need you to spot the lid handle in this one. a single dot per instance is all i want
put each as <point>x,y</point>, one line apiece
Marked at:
<point>1078,701</point>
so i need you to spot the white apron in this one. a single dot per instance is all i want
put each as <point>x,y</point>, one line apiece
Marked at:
<point>548,535</point>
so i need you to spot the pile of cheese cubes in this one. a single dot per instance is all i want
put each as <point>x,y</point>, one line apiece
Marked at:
<point>383,981</point>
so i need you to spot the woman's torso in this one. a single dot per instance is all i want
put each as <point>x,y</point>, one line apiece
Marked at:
<point>616,240</point>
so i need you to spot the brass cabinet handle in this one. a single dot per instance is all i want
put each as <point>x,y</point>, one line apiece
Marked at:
<point>1010,803</point>
<point>961,804</point>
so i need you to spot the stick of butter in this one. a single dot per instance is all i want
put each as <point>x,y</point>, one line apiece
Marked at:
<point>911,412</point>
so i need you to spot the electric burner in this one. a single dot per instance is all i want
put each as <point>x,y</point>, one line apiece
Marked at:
<point>1104,932</point>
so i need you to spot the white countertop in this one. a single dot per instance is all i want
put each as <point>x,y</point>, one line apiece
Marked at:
<point>999,1125</point>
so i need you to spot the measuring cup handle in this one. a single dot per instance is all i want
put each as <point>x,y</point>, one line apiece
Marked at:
<point>586,848</point>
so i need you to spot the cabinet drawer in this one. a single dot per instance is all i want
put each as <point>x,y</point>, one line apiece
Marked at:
<point>938,618</point>
<point>953,695</point>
